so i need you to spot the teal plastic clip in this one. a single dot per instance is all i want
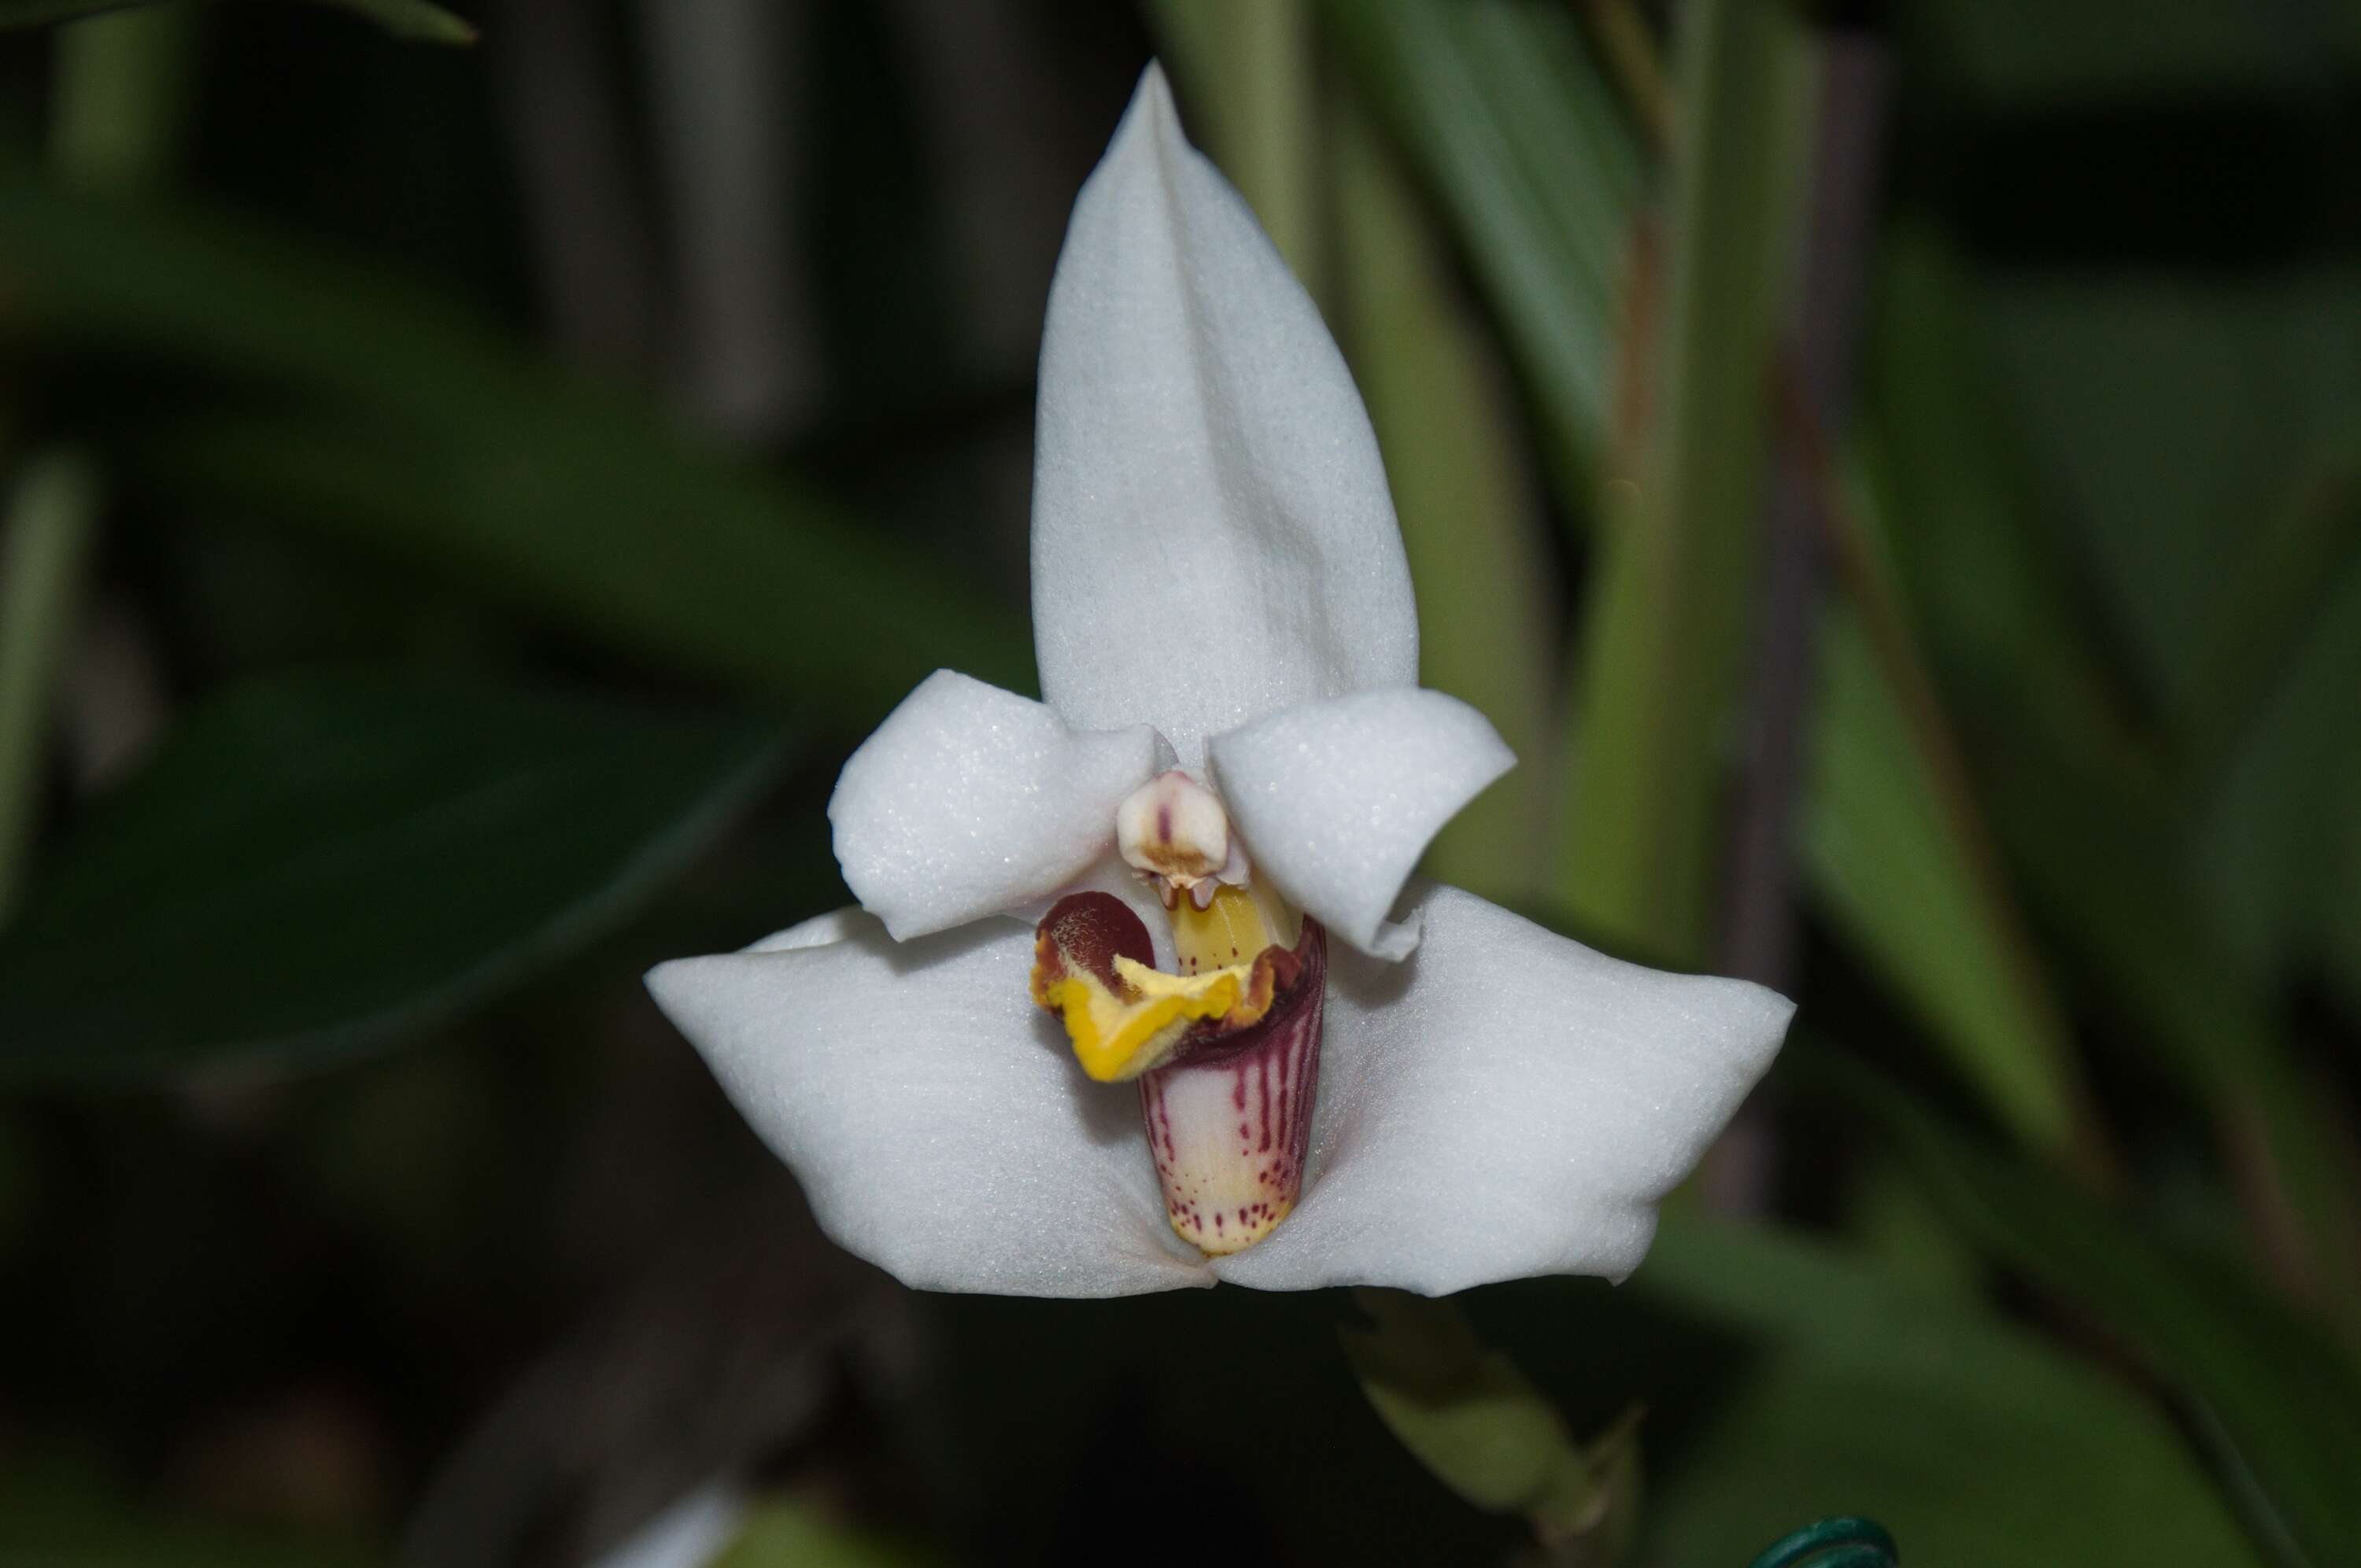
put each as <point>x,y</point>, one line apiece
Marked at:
<point>1847,1542</point>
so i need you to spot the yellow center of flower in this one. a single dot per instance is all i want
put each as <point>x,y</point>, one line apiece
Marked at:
<point>1124,1017</point>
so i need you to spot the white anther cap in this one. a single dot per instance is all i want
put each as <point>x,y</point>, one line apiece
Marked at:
<point>1174,827</point>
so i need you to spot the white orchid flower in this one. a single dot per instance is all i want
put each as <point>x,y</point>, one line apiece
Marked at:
<point>1205,832</point>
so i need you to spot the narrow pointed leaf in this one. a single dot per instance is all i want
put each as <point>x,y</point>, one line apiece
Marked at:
<point>1469,515</point>
<point>315,866</point>
<point>1661,669</point>
<point>1972,1440</point>
<point>428,435</point>
<point>1540,189</point>
<point>2266,1392</point>
<point>2081,806</point>
<point>1887,868</point>
<point>414,19</point>
<point>1515,130</point>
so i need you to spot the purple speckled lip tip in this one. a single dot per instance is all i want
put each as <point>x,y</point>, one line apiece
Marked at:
<point>1229,1124</point>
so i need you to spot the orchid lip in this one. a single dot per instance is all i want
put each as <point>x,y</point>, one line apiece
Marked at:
<point>1228,1157</point>
<point>1229,1119</point>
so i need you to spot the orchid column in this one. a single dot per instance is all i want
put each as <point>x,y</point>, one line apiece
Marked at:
<point>1190,865</point>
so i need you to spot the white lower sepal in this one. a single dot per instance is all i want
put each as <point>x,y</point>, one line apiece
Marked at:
<point>1229,1124</point>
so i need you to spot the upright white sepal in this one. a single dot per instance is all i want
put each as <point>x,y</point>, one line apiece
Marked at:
<point>1213,539</point>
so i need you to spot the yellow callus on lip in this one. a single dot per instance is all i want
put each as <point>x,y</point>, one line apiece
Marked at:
<point>1122,1033</point>
<point>1124,1017</point>
<point>1231,930</point>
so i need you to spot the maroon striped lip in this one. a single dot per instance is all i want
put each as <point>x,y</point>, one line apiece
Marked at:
<point>1298,975</point>
<point>1229,1123</point>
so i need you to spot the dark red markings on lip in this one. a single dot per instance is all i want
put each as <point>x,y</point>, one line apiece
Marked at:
<point>1088,931</point>
<point>1291,979</point>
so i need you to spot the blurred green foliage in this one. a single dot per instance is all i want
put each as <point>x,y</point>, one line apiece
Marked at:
<point>2076,863</point>
<point>414,19</point>
<point>397,846</point>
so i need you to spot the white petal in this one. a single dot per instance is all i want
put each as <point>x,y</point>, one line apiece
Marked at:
<point>1336,800</point>
<point>934,1115</point>
<point>836,926</point>
<point>1213,539</point>
<point>691,1533</point>
<point>1507,1103</point>
<point>969,800</point>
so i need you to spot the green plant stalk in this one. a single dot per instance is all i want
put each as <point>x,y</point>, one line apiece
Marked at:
<point>1483,1429</point>
<point>1540,189</point>
<point>1476,541</point>
<point>117,103</point>
<point>51,525</point>
<point>2011,1042</point>
<point>1629,51</point>
<point>414,19</point>
<point>1661,666</point>
<point>121,98</point>
<point>1514,131</point>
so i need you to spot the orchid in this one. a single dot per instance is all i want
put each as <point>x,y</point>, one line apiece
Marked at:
<point>1141,992</point>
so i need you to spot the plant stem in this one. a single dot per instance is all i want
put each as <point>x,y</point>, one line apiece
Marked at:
<point>1663,641</point>
<point>51,527</point>
<point>118,101</point>
<point>1757,912</point>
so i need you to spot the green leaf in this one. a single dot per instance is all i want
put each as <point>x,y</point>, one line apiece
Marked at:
<point>2278,770</point>
<point>2027,55</point>
<point>57,1513</point>
<point>788,1533</point>
<point>1910,877</point>
<point>2086,814</point>
<point>122,89</point>
<point>1973,1442</point>
<point>1895,880</point>
<point>1515,127</point>
<point>1541,187</point>
<point>2171,412</point>
<point>2103,864</point>
<point>414,19</point>
<point>1470,520</point>
<point>46,537</point>
<point>1661,665</point>
<point>2265,1392</point>
<point>315,866</point>
<point>423,432</point>
<point>2341,914</point>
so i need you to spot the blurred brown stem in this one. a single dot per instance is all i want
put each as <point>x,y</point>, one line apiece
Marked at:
<point>1629,51</point>
<point>1816,372</point>
<point>1810,515</point>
